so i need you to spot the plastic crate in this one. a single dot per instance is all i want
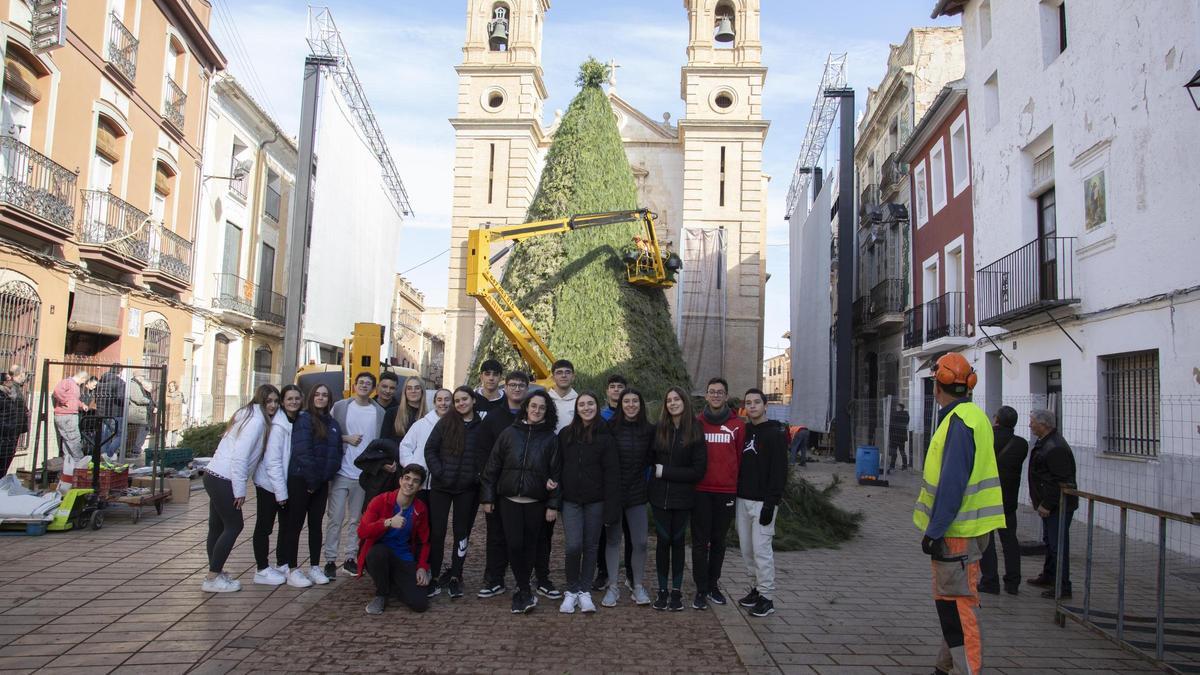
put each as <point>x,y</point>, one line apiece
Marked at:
<point>110,481</point>
<point>173,458</point>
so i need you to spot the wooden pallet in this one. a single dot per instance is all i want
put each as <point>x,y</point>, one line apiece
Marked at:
<point>17,527</point>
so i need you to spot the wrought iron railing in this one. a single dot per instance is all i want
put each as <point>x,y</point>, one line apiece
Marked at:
<point>913,333</point>
<point>32,181</point>
<point>174,100</point>
<point>239,185</point>
<point>271,203</point>
<point>1037,276</point>
<point>122,47</point>
<point>858,313</point>
<point>945,316</point>
<point>887,297</point>
<point>867,199</point>
<point>109,221</point>
<point>234,293</point>
<point>171,253</point>
<point>269,306</point>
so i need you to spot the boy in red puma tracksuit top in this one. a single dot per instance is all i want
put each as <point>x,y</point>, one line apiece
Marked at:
<point>716,493</point>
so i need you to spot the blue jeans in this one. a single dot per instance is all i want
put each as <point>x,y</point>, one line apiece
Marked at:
<point>1050,537</point>
<point>112,434</point>
<point>799,449</point>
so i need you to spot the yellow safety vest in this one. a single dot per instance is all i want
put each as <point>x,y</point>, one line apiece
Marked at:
<point>982,508</point>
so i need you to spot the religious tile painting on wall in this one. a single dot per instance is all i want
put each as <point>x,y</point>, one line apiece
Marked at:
<point>1095,210</point>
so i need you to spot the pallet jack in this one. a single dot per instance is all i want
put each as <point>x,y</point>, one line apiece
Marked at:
<point>82,508</point>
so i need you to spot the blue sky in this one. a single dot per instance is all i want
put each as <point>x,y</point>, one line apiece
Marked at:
<point>405,53</point>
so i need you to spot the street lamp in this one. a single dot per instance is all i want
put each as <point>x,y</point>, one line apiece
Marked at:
<point>1193,87</point>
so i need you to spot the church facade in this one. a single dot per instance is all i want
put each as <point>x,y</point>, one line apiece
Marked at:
<point>702,176</point>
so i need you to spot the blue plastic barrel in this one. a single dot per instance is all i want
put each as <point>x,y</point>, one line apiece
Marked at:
<point>866,461</point>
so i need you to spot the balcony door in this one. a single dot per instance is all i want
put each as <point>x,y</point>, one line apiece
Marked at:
<point>17,114</point>
<point>1047,247</point>
<point>266,278</point>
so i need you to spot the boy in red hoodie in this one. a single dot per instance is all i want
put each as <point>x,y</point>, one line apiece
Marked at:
<point>716,493</point>
<point>394,531</point>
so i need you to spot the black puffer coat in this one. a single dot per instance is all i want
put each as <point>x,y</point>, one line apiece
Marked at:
<point>683,467</point>
<point>374,479</point>
<point>456,472</point>
<point>522,460</point>
<point>635,451</point>
<point>588,470</point>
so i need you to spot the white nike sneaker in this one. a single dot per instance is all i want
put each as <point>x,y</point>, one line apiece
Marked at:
<point>317,576</point>
<point>297,579</point>
<point>269,577</point>
<point>221,584</point>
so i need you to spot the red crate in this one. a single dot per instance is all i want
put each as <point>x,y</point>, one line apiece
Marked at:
<point>110,481</point>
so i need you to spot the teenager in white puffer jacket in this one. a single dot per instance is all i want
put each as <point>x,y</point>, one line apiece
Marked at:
<point>270,485</point>
<point>412,447</point>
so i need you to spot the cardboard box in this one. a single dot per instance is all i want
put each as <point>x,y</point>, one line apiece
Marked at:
<point>142,481</point>
<point>180,489</point>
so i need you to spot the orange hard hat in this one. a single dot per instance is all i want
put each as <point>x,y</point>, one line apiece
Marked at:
<point>953,368</point>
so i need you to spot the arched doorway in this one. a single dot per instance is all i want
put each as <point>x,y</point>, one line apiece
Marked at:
<point>20,313</point>
<point>219,368</point>
<point>156,348</point>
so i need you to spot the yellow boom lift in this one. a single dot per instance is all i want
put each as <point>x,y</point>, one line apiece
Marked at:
<point>646,264</point>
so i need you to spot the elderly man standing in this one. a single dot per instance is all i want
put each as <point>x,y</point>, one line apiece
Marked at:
<point>67,407</point>
<point>1052,467</point>
<point>959,506</point>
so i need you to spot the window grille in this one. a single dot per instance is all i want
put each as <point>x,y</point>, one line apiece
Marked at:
<point>1132,419</point>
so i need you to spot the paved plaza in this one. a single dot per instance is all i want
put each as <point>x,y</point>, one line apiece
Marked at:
<point>126,599</point>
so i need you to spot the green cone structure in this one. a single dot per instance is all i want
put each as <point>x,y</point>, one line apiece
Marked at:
<point>573,286</point>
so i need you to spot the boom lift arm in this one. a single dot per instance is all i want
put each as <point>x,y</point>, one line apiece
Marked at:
<point>645,265</point>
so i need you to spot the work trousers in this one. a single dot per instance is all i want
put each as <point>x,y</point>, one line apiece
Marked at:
<point>465,506</point>
<point>395,578</point>
<point>712,513</point>
<point>756,543</point>
<point>264,525</point>
<point>956,597</point>
<point>581,530</point>
<point>496,550</point>
<point>897,447</point>
<point>302,507</point>
<point>989,565</point>
<point>1050,537</point>
<point>635,532</point>
<point>523,527</point>
<point>345,504</point>
<point>224,521</point>
<point>67,427</point>
<point>671,526</point>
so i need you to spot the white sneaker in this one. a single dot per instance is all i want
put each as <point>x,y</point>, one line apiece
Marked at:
<point>297,579</point>
<point>221,584</point>
<point>318,577</point>
<point>640,596</point>
<point>269,577</point>
<point>568,603</point>
<point>585,602</point>
<point>611,596</point>
<point>282,569</point>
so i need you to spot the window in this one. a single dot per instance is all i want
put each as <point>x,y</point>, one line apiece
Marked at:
<point>991,101</point>
<point>262,366</point>
<point>273,197</point>
<point>239,173</point>
<point>960,164</point>
<point>937,176</point>
<point>920,194</point>
<point>109,141</point>
<point>1130,403</point>
<point>721,193</point>
<point>985,22</point>
<point>1054,29</point>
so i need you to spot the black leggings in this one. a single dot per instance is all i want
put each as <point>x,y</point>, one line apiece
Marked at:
<point>712,513</point>
<point>395,578</point>
<point>671,526</point>
<point>8,452</point>
<point>224,521</point>
<point>264,525</point>
<point>523,529</point>
<point>465,505</point>
<point>302,506</point>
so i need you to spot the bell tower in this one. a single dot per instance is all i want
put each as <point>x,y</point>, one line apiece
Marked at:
<point>725,191</point>
<point>497,132</point>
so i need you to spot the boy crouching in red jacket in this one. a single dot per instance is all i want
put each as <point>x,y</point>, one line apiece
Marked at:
<point>394,531</point>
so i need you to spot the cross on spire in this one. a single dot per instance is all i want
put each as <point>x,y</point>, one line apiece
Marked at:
<point>612,73</point>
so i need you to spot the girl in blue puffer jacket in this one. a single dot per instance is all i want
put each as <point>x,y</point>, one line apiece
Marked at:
<point>316,458</point>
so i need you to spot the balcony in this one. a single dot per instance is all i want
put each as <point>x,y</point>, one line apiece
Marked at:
<point>859,318</point>
<point>113,232</point>
<point>238,186</point>
<point>868,199</point>
<point>1034,279</point>
<point>270,306</point>
<point>886,302</point>
<point>247,301</point>
<point>122,48</point>
<point>170,259</point>
<point>37,196</point>
<point>913,328</point>
<point>271,203</point>
<point>945,316</point>
<point>892,172</point>
<point>174,102</point>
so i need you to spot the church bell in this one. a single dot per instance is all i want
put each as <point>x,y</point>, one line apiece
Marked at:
<point>498,34</point>
<point>724,32</point>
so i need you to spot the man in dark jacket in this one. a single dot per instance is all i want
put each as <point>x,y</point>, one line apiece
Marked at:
<point>1052,467</point>
<point>761,478</point>
<point>110,401</point>
<point>1011,450</point>
<point>498,419</point>
<point>898,438</point>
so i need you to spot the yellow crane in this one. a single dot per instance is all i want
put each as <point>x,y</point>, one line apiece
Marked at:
<point>646,264</point>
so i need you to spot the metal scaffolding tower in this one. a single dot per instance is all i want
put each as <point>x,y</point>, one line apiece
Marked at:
<point>824,112</point>
<point>325,41</point>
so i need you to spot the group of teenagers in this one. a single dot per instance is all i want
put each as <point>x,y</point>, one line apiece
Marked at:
<point>393,468</point>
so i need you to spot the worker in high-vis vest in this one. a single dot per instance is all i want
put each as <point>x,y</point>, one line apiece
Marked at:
<point>960,503</point>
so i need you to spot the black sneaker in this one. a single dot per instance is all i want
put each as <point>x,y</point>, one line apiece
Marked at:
<point>661,602</point>
<point>491,591</point>
<point>601,582</point>
<point>434,590</point>
<point>547,589</point>
<point>764,607</point>
<point>377,605</point>
<point>751,598</point>
<point>528,602</point>
<point>676,604</point>
<point>518,603</point>
<point>350,566</point>
<point>444,578</point>
<point>715,597</point>
<point>700,602</point>
<point>454,588</point>
<point>331,570</point>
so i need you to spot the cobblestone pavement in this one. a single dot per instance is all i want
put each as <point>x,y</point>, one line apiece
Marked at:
<point>126,599</point>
